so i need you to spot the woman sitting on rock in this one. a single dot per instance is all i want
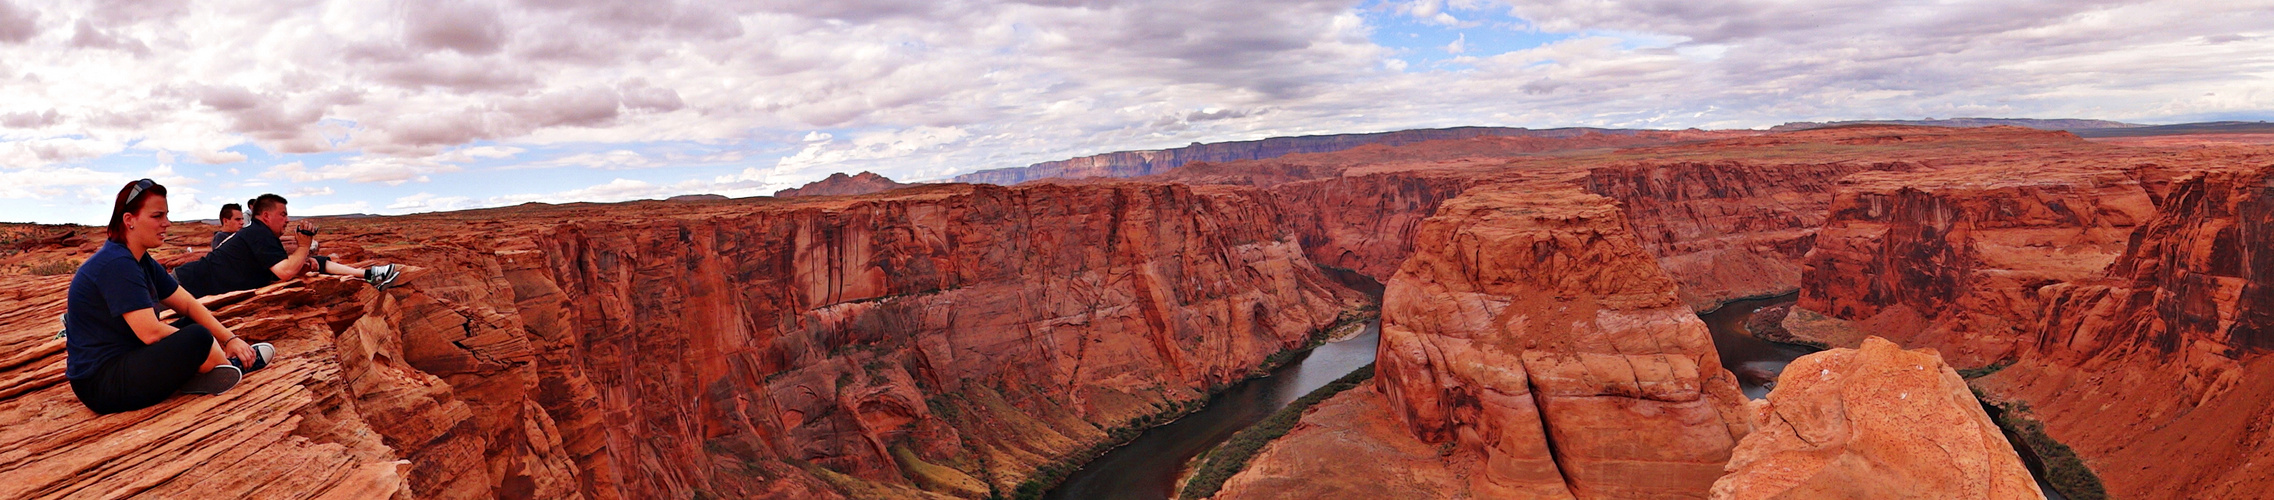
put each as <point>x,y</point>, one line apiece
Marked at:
<point>118,356</point>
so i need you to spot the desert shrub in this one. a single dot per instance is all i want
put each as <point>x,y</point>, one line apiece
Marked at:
<point>54,267</point>
<point>2064,470</point>
<point>1974,373</point>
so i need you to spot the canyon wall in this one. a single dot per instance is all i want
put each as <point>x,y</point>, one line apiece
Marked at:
<point>1728,229</point>
<point>2107,293</point>
<point>2157,371</point>
<point>1364,223</point>
<point>948,341</point>
<point>1954,258</point>
<point>1530,325</point>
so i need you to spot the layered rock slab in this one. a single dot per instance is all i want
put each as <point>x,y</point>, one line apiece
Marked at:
<point>1530,325</point>
<point>1873,422</point>
<point>331,419</point>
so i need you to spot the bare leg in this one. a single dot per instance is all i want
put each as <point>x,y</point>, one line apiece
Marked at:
<point>335,268</point>
<point>213,357</point>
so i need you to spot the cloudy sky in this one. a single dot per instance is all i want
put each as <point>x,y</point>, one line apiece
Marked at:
<point>410,106</point>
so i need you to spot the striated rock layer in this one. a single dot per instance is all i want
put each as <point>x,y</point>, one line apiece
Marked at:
<point>944,341</point>
<point>1952,258</point>
<point>1874,422</point>
<point>1728,230</point>
<point>2157,372</point>
<point>1530,325</point>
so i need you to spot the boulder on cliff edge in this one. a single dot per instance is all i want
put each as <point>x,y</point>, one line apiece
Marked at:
<point>1873,422</point>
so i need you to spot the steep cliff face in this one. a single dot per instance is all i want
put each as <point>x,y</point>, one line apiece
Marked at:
<point>1149,162</point>
<point>1728,229</point>
<point>1530,325</point>
<point>986,330</point>
<point>1954,258</point>
<point>2157,372</point>
<point>944,342</point>
<point>1364,223</point>
<point>1876,421</point>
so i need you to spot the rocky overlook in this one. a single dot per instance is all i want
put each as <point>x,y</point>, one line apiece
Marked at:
<point>1540,337</point>
<point>946,342</point>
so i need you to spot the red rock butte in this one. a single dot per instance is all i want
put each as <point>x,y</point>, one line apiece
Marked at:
<point>1540,337</point>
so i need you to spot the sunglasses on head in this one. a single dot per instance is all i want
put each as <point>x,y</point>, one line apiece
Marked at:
<point>139,187</point>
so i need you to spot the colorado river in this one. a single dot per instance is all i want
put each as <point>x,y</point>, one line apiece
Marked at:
<point>1147,467</point>
<point>1756,362</point>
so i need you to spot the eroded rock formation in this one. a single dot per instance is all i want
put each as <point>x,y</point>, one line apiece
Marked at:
<point>1530,308</point>
<point>1953,258</point>
<point>1995,246</point>
<point>949,342</point>
<point>1873,422</point>
<point>2157,372</point>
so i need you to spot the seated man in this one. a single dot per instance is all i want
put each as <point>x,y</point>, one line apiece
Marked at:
<point>255,257</point>
<point>230,224</point>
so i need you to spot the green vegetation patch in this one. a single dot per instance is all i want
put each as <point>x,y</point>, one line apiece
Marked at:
<point>54,267</point>
<point>2063,469</point>
<point>1232,457</point>
<point>1049,475</point>
<point>1975,373</point>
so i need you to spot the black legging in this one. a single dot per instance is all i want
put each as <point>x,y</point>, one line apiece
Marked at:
<point>146,375</point>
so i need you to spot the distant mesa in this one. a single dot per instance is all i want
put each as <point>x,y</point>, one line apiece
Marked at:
<point>697,197</point>
<point>2230,127</point>
<point>2065,124</point>
<point>1155,161</point>
<point>839,184</point>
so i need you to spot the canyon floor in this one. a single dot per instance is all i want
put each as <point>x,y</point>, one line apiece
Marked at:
<point>2107,303</point>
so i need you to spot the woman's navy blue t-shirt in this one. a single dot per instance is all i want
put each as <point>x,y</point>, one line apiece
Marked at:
<point>107,287</point>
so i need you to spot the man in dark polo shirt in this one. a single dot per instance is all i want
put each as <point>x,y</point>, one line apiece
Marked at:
<point>256,257</point>
<point>232,220</point>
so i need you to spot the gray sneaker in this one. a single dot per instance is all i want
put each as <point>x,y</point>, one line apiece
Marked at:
<point>382,277</point>
<point>214,382</point>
